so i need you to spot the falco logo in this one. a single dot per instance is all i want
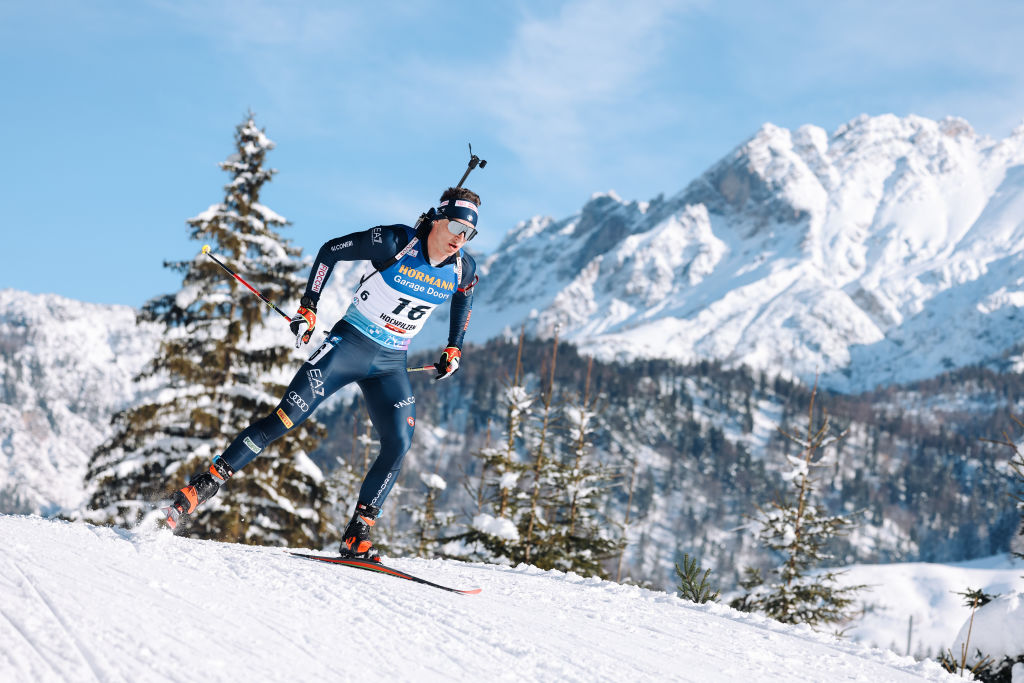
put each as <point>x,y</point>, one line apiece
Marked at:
<point>318,281</point>
<point>406,402</point>
<point>315,383</point>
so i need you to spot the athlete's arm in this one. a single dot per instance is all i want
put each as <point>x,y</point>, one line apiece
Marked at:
<point>376,245</point>
<point>462,302</point>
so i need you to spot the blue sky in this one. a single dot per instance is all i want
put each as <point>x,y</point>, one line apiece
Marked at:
<point>115,113</point>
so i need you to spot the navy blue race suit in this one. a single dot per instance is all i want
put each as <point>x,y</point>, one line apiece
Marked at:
<point>369,344</point>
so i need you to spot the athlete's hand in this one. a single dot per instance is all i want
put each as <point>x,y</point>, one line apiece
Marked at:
<point>305,316</point>
<point>449,362</point>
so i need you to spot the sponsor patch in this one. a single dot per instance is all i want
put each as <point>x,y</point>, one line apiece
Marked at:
<point>316,384</point>
<point>375,236</point>
<point>297,401</point>
<point>411,421</point>
<point>252,447</point>
<point>318,281</point>
<point>288,424</point>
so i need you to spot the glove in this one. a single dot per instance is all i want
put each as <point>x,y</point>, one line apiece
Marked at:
<point>306,316</point>
<point>449,362</point>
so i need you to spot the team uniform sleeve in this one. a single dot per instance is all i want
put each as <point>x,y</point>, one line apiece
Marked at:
<point>462,302</point>
<point>376,245</point>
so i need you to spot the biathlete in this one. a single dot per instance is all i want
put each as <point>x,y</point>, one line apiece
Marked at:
<point>412,272</point>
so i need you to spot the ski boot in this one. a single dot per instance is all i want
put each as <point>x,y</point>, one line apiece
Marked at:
<point>200,489</point>
<point>355,542</point>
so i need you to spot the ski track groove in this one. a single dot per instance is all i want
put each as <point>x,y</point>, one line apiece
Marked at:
<point>94,668</point>
<point>38,652</point>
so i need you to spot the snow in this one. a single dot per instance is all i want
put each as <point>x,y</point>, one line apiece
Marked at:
<point>82,603</point>
<point>862,255</point>
<point>499,527</point>
<point>927,593</point>
<point>997,629</point>
<point>433,481</point>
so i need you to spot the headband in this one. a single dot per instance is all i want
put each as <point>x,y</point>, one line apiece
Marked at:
<point>459,208</point>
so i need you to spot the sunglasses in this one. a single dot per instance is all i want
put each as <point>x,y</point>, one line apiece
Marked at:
<point>459,228</point>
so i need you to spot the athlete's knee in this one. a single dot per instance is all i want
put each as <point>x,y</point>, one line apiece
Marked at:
<point>397,442</point>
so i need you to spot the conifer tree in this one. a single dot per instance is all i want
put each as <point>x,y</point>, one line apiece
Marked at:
<point>217,369</point>
<point>535,527</point>
<point>429,522</point>
<point>799,528</point>
<point>581,539</point>
<point>493,534</point>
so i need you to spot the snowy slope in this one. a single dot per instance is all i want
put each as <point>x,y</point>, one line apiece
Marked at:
<point>885,252</point>
<point>87,603</point>
<point>926,593</point>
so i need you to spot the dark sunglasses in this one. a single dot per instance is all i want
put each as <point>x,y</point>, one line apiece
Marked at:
<point>459,228</point>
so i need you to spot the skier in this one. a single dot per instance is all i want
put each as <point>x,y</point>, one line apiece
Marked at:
<point>413,271</point>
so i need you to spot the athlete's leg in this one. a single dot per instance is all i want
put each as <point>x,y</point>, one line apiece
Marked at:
<point>333,365</point>
<point>392,408</point>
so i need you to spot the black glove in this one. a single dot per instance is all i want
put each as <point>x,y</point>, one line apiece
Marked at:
<point>305,316</point>
<point>449,362</point>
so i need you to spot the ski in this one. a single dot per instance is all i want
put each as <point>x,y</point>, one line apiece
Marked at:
<point>382,569</point>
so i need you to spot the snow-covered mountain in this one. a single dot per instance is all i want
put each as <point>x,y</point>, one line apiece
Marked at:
<point>82,603</point>
<point>65,368</point>
<point>885,252</point>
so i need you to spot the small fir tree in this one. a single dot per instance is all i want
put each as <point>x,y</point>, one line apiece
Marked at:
<point>428,522</point>
<point>799,529</point>
<point>493,533</point>
<point>582,539</point>
<point>693,584</point>
<point>542,473</point>
<point>216,368</point>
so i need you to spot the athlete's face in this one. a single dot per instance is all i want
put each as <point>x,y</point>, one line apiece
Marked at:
<point>442,242</point>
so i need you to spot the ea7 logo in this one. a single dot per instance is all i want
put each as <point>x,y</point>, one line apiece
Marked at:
<point>406,402</point>
<point>375,236</point>
<point>315,382</point>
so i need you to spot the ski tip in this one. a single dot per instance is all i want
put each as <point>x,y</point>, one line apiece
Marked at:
<point>206,248</point>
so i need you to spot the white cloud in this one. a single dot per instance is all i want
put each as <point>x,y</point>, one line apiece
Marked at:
<point>571,81</point>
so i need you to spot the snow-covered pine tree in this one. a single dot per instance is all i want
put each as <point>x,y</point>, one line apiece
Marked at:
<point>798,529</point>
<point>536,530</point>
<point>428,522</point>
<point>220,368</point>
<point>581,539</point>
<point>492,535</point>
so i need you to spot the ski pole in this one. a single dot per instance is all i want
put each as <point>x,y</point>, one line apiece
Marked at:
<point>425,367</point>
<point>206,250</point>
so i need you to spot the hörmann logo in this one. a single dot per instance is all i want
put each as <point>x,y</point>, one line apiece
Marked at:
<point>414,274</point>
